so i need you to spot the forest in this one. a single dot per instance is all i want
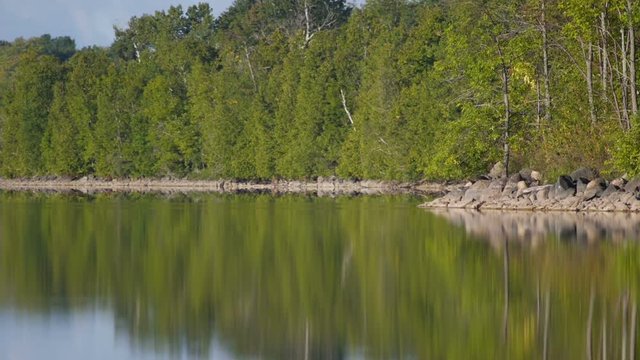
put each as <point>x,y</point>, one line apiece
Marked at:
<point>298,89</point>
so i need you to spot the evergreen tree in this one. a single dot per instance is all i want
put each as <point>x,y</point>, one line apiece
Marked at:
<point>59,144</point>
<point>27,112</point>
<point>86,70</point>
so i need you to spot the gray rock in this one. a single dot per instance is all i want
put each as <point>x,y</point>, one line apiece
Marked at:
<point>498,171</point>
<point>563,194</point>
<point>581,185</point>
<point>494,190</point>
<point>543,193</point>
<point>510,189</point>
<point>564,188</point>
<point>522,185</point>
<point>536,176</point>
<point>453,196</point>
<point>611,189</point>
<point>475,191</point>
<point>525,174</point>
<point>632,186</point>
<point>594,189</point>
<point>498,184</point>
<point>516,178</point>
<point>584,173</point>
<point>619,182</point>
<point>598,182</point>
<point>565,182</point>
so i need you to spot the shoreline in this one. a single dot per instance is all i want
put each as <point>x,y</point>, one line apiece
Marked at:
<point>321,186</point>
<point>582,191</point>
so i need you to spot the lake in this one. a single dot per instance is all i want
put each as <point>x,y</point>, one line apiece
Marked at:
<point>114,276</point>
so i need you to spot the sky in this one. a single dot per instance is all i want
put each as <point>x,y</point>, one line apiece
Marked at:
<point>89,22</point>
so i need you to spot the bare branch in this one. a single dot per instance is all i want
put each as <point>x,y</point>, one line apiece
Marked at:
<point>346,109</point>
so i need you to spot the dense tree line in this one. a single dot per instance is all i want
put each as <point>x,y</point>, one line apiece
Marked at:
<point>295,89</point>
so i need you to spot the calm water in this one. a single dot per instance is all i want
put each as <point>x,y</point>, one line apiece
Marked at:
<point>255,276</point>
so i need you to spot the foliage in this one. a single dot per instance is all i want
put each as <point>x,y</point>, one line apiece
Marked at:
<point>626,151</point>
<point>395,89</point>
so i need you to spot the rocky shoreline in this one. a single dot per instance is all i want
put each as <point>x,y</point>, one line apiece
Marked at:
<point>322,186</point>
<point>582,190</point>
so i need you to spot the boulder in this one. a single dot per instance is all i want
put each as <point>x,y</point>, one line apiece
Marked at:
<point>522,185</point>
<point>543,193</point>
<point>525,174</point>
<point>498,171</point>
<point>563,194</point>
<point>632,186</point>
<point>611,189</point>
<point>510,188</point>
<point>494,190</point>
<point>584,173</point>
<point>597,183</point>
<point>476,191</point>
<point>565,182</point>
<point>536,176</point>
<point>564,187</point>
<point>581,185</point>
<point>619,182</point>
<point>594,188</point>
<point>453,196</point>
<point>515,178</point>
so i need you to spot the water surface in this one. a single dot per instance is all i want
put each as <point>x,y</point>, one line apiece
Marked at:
<point>256,276</point>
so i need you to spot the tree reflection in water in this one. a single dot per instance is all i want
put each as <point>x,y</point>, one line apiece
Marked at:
<point>309,277</point>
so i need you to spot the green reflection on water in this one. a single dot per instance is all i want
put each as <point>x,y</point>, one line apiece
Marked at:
<point>296,276</point>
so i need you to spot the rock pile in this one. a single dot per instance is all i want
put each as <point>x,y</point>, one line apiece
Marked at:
<point>582,190</point>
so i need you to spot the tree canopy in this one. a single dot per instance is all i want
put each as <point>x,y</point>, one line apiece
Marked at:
<point>296,89</point>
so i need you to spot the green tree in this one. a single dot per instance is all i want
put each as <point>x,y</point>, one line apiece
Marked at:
<point>86,69</point>
<point>27,112</point>
<point>122,130</point>
<point>378,148</point>
<point>59,145</point>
